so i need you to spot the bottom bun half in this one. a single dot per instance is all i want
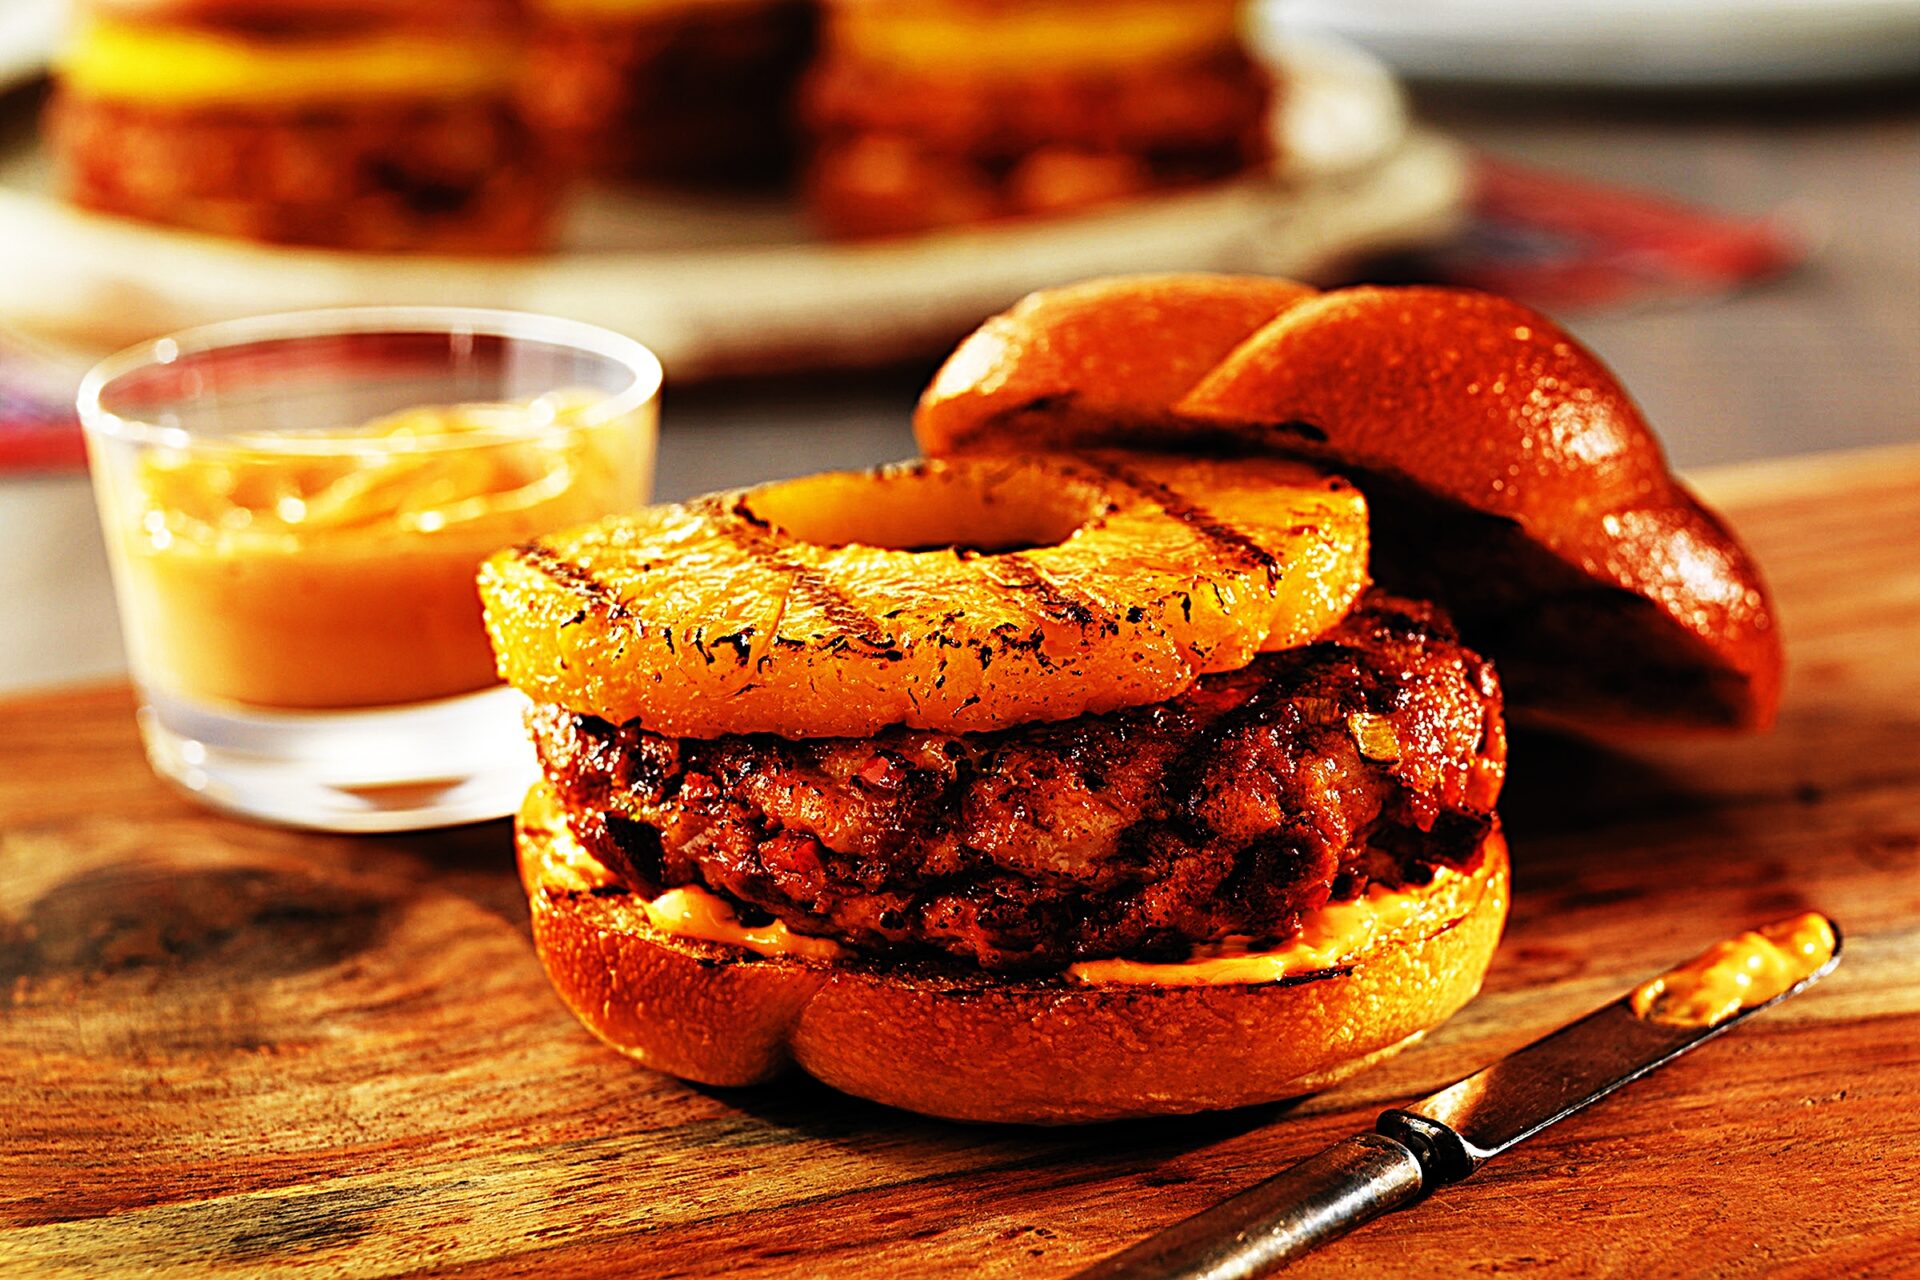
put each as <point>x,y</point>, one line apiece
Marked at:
<point>973,1046</point>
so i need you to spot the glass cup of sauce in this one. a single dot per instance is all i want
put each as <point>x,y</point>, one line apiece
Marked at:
<point>295,508</point>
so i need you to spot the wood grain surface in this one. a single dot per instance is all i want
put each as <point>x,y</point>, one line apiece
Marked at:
<point>230,1050</point>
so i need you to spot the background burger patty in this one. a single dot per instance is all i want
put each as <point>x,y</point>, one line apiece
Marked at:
<point>1375,753</point>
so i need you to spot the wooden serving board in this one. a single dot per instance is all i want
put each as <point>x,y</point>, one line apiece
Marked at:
<point>230,1050</point>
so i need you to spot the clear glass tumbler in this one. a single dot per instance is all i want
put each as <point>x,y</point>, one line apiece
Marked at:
<point>295,507</point>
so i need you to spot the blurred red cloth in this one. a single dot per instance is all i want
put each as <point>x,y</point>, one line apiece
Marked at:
<point>38,428</point>
<point>1562,243</point>
<point>1558,242</point>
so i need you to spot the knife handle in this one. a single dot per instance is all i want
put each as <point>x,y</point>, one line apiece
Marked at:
<point>1270,1224</point>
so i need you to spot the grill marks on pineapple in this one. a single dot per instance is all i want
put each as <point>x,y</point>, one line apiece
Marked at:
<point>1226,537</point>
<point>575,578</point>
<point>1055,602</point>
<point>754,539</point>
<point>1011,570</point>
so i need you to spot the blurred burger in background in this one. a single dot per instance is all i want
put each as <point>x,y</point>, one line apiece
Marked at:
<point>385,125</point>
<point>396,125</point>
<point>693,91</point>
<point>930,113</point>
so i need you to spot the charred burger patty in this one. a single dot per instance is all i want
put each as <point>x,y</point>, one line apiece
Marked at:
<point>1375,753</point>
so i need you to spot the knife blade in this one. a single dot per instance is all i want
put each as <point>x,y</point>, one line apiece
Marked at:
<point>1445,1137</point>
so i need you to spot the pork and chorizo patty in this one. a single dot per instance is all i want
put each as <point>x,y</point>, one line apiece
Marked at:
<point>458,176</point>
<point>1375,753</point>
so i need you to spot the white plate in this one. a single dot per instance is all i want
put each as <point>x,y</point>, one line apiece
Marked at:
<point>722,287</point>
<point>1623,43</point>
<point>29,30</point>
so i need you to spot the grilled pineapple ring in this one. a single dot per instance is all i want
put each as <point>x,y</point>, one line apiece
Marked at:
<point>957,595</point>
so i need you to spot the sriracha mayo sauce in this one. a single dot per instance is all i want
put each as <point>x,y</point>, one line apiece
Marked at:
<point>307,571</point>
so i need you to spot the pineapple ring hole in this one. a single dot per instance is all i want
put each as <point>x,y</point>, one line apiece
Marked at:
<point>989,508</point>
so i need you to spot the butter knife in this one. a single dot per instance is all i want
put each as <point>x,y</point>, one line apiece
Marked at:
<point>1442,1139</point>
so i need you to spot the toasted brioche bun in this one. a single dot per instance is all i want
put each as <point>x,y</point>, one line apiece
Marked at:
<point>1509,475</point>
<point>976,1047</point>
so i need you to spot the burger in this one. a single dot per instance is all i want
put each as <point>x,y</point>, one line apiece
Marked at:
<point>1134,752</point>
<point>381,125</point>
<point>932,113</point>
<point>688,91</point>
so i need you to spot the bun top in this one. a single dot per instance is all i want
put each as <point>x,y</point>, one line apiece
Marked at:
<point>1509,475</point>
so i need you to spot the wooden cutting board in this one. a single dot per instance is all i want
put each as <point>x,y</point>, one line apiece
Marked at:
<point>229,1050</point>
